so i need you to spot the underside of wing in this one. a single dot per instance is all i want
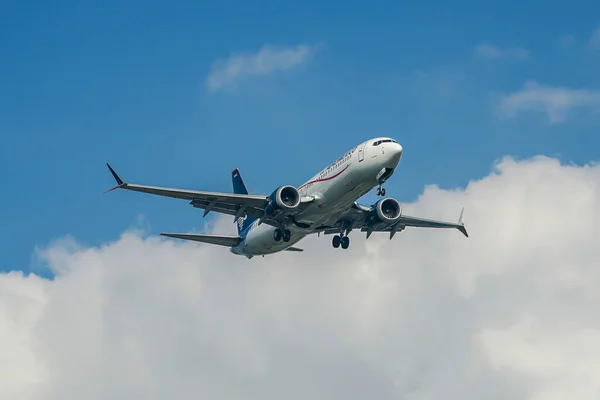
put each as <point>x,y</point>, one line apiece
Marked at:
<point>236,204</point>
<point>227,203</point>
<point>229,241</point>
<point>406,220</point>
<point>364,218</point>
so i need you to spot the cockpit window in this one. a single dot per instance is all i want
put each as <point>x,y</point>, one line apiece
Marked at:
<point>377,143</point>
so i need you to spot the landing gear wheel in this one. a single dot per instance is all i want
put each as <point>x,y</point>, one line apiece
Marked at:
<point>383,191</point>
<point>336,241</point>
<point>380,191</point>
<point>277,235</point>
<point>345,242</point>
<point>287,235</point>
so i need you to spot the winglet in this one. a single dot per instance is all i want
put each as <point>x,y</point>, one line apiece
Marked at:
<point>461,225</point>
<point>120,182</point>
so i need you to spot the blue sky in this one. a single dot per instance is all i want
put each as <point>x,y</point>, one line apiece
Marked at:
<point>459,84</point>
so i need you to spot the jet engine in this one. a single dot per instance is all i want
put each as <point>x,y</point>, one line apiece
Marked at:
<point>285,198</point>
<point>386,210</point>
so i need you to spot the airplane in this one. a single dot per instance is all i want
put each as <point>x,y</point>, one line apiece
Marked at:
<point>326,203</point>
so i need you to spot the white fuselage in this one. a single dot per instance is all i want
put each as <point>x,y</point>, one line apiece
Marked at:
<point>336,189</point>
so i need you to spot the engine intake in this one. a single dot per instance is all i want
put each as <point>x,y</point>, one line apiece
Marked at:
<point>285,198</point>
<point>387,210</point>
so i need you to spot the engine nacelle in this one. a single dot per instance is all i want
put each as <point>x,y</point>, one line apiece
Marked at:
<point>285,198</point>
<point>386,210</point>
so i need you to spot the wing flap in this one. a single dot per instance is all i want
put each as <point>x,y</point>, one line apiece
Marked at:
<point>430,223</point>
<point>228,203</point>
<point>225,207</point>
<point>197,195</point>
<point>415,222</point>
<point>355,218</point>
<point>229,241</point>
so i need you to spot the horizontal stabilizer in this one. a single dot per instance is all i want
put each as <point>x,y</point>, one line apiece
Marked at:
<point>229,241</point>
<point>293,249</point>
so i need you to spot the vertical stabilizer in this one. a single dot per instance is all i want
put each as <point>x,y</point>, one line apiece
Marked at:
<point>239,187</point>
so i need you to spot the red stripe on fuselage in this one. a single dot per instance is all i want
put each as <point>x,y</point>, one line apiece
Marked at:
<point>325,179</point>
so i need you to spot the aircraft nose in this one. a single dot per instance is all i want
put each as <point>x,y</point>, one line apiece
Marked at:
<point>395,152</point>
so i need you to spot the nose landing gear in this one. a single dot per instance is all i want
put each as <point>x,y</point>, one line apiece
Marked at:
<point>381,177</point>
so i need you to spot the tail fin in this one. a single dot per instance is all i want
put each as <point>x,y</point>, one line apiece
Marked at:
<point>239,187</point>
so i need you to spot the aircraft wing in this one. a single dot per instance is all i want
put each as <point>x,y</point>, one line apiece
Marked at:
<point>355,218</point>
<point>227,203</point>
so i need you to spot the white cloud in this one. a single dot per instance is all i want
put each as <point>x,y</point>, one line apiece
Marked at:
<point>557,102</point>
<point>267,60</point>
<point>508,313</point>
<point>543,358</point>
<point>488,51</point>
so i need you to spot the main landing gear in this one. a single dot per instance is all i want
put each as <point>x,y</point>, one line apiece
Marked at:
<point>380,191</point>
<point>280,234</point>
<point>338,241</point>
